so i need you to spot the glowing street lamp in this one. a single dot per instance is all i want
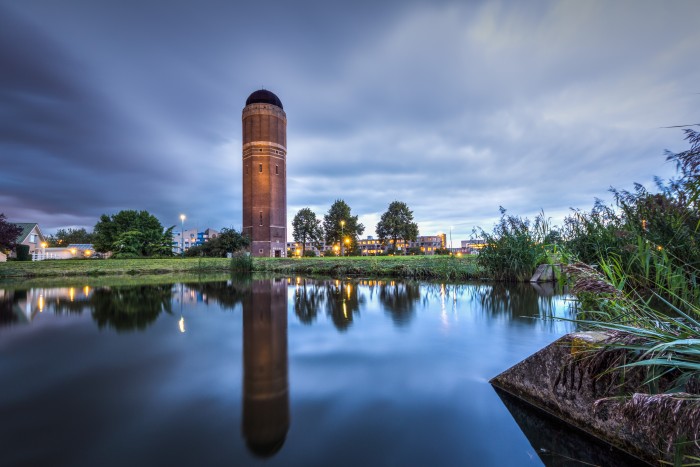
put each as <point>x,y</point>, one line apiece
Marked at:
<point>182,234</point>
<point>342,230</point>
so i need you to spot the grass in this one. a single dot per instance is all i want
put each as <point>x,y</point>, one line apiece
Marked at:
<point>416,267</point>
<point>123,280</point>
<point>419,267</point>
<point>94,267</point>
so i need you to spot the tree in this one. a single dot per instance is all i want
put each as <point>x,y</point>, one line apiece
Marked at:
<point>307,228</point>
<point>340,224</point>
<point>397,224</point>
<point>132,234</point>
<point>8,233</point>
<point>65,237</point>
<point>228,241</point>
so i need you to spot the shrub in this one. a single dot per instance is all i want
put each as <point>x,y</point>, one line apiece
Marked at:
<point>23,253</point>
<point>515,247</point>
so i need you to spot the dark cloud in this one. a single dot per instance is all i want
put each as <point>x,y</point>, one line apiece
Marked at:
<point>454,107</point>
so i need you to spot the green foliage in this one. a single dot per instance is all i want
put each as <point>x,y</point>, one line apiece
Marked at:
<point>23,253</point>
<point>397,224</point>
<point>515,247</point>
<point>228,241</point>
<point>307,229</point>
<point>132,234</point>
<point>339,223</point>
<point>660,336</point>
<point>242,263</point>
<point>8,233</point>
<point>65,237</point>
<point>652,238</point>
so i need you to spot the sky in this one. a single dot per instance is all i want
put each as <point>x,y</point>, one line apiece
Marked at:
<point>453,107</point>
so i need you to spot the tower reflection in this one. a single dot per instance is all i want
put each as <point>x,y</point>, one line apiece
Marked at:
<point>265,367</point>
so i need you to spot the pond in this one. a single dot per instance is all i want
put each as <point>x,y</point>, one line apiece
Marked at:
<point>275,371</point>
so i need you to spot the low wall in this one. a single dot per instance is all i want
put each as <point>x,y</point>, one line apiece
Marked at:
<point>557,381</point>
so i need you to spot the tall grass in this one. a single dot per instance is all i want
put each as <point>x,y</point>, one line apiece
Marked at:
<point>242,263</point>
<point>516,247</point>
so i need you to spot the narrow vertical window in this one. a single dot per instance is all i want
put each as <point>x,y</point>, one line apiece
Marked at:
<point>260,168</point>
<point>246,169</point>
<point>261,218</point>
<point>277,170</point>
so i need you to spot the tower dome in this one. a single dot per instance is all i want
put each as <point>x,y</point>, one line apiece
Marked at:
<point>263,96</point>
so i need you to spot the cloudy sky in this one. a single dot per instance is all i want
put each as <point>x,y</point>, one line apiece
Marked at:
<point>455,107</point>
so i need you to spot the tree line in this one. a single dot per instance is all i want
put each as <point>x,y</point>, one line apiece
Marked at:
<point>342,230</point>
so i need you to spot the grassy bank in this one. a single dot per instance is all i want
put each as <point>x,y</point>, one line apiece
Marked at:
<point>91,267</point>
<point>419,267</point>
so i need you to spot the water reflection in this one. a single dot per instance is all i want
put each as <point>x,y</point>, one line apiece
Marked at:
<point>400,300</point>
<point>128,308</point>
<point>343,300</point>
<point>265,380</point>
<point>163,385</point>
<point>308,298</point>
<point>558,445</point>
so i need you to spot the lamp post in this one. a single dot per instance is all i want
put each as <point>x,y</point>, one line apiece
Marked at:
<point>451,240</point>
<point>347,242</point>
<point>342,230</point>
<point>182,235</point>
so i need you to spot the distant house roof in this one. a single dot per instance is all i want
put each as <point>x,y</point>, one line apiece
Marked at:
<point>26,229</point>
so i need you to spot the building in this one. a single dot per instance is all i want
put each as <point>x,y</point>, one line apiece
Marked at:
<point>472,247</point>
<point>74,250</point>
<point>265,174</point>
<point>428,245</point>
<point>295,248</point>
<point>31,236</point>
<point>190,238</point>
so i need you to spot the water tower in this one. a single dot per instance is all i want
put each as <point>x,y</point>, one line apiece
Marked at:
<point>265,174</point>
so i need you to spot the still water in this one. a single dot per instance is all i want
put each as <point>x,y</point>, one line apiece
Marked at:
<point>280,371</point>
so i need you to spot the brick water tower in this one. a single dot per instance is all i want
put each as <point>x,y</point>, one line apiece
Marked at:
<point>265,174</point>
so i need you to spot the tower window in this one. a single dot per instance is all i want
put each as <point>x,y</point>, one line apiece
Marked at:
<point>260,168</point>
<point>261,218</point>
<point>277,170</point>
<point>246,170</point>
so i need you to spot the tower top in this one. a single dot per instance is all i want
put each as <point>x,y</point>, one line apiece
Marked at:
<point>263,96</point>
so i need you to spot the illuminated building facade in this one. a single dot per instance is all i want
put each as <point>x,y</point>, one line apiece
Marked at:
<point>265,174</point>
<point>428,245</point>
<point>190,238</point>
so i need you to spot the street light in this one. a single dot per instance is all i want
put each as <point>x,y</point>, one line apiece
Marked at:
<point>342,230</point>
<point>182,235</point>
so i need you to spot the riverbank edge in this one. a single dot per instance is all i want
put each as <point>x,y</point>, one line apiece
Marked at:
<point>547,381</point>
<point>447,268</point>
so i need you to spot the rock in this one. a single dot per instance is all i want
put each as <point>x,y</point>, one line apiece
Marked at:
<point>558,381</point>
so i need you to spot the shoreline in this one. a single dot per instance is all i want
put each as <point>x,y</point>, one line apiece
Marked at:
<point>415,267</point>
